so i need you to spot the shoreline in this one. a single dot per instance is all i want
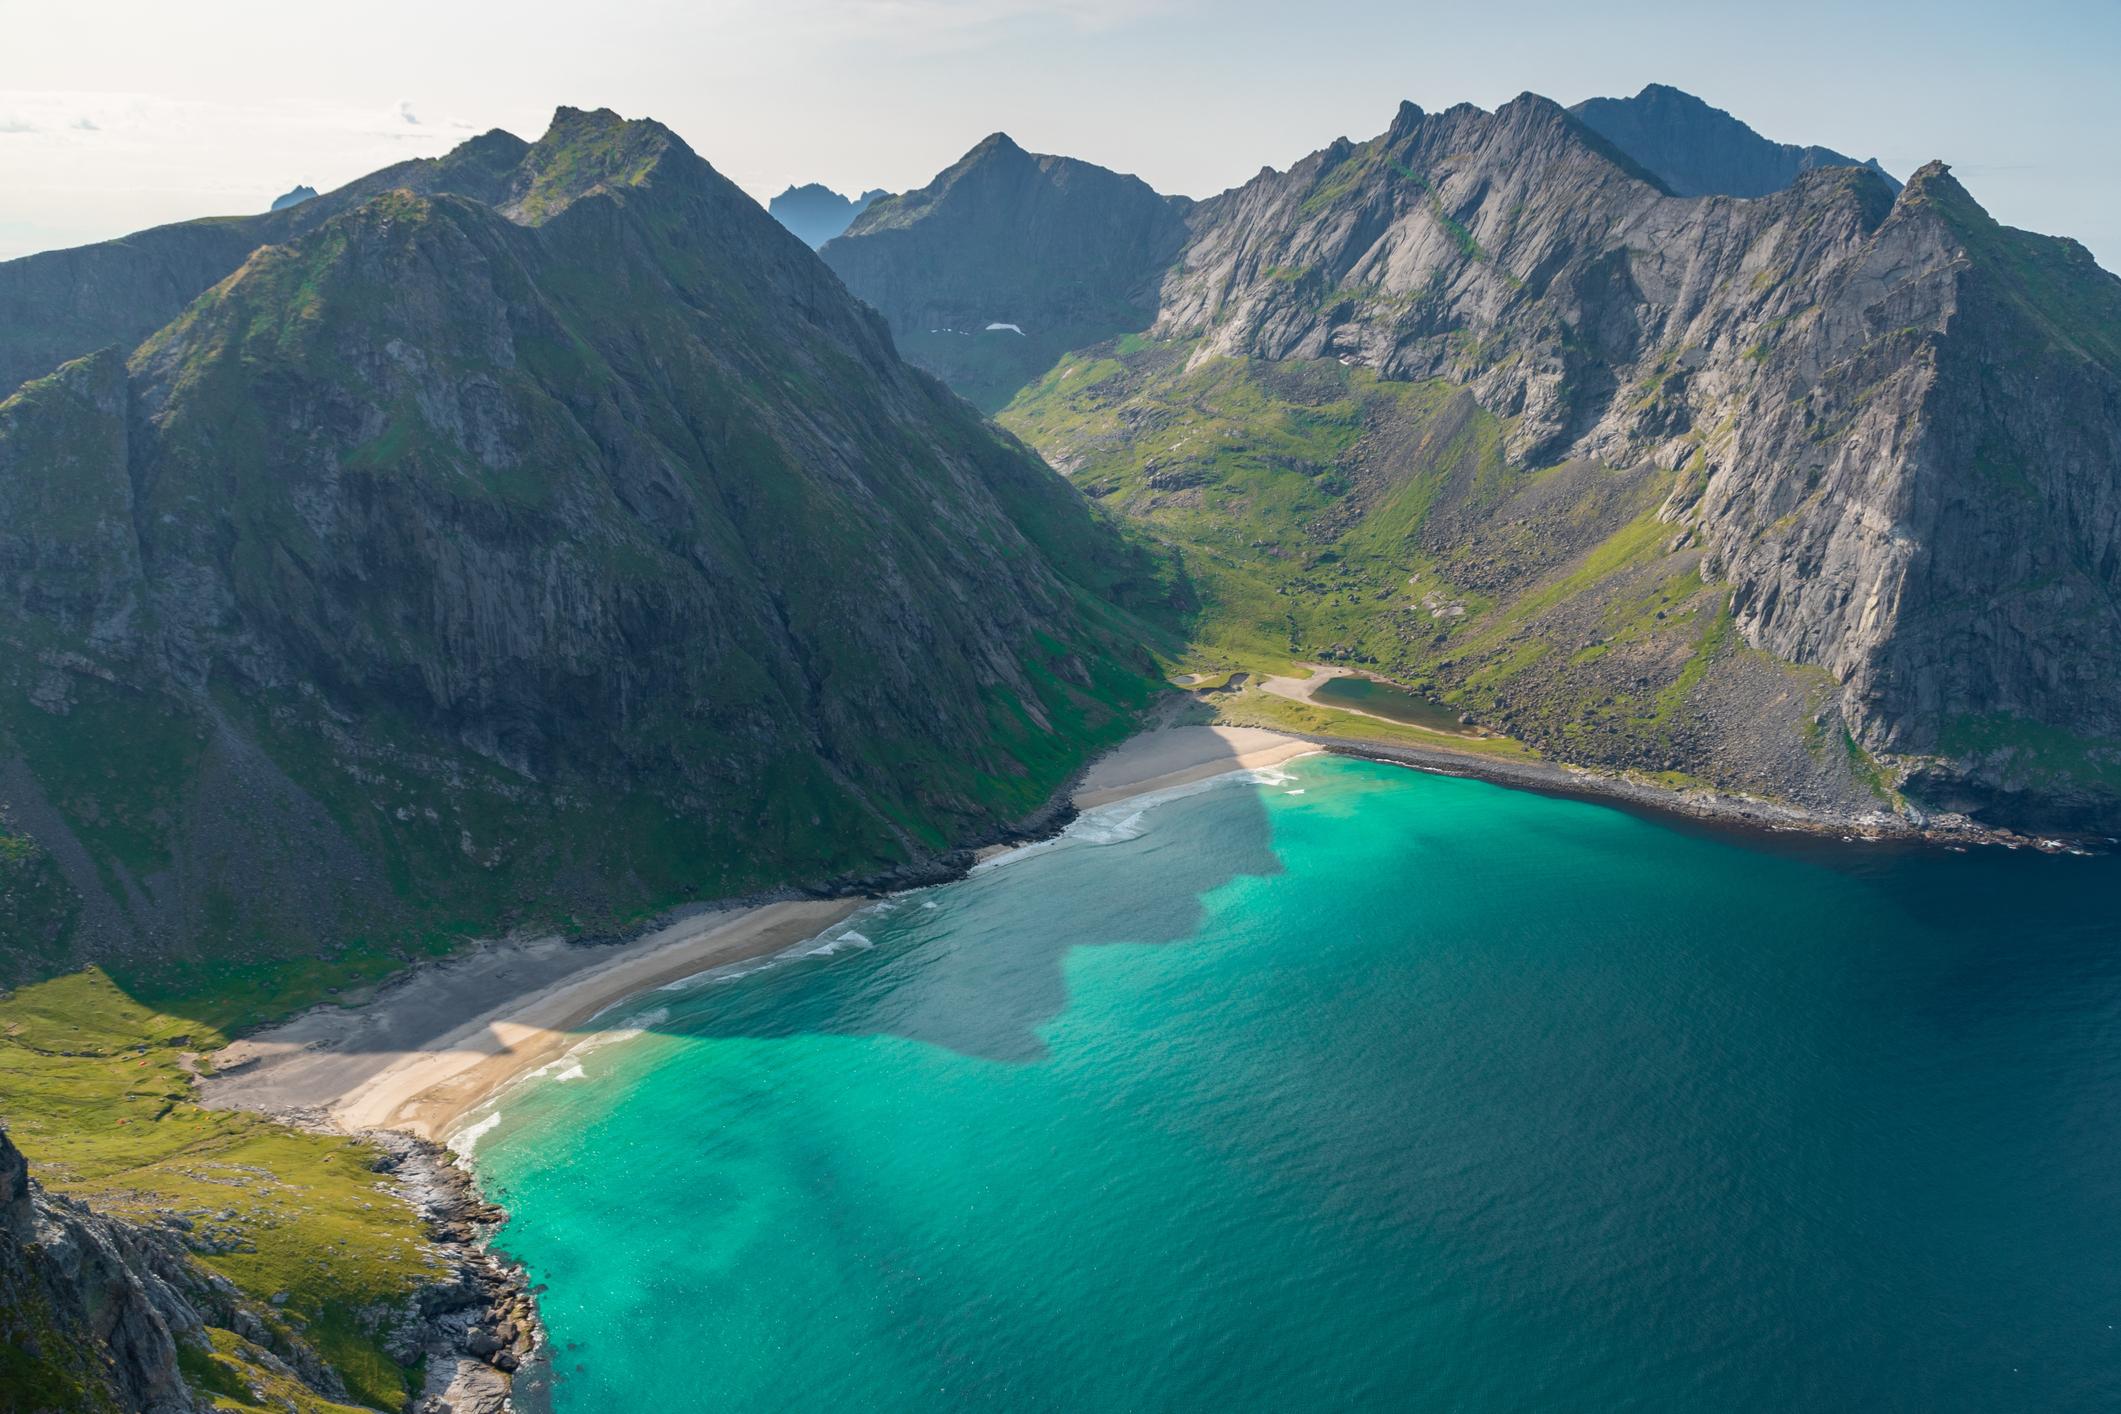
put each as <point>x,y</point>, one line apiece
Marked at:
<point>431,1046</point>
<point>328,1063</point>
<point>404,1066</point>
<point>1698,807</point>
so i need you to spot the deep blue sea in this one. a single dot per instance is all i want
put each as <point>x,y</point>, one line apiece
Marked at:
<point>1346,1086</point>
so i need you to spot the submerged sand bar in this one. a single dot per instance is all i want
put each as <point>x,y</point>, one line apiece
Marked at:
<point>434,1043</point>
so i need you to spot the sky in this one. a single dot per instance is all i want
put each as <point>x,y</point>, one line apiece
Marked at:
<point>124,114</point>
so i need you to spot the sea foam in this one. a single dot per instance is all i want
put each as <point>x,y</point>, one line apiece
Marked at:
<point>467,1139</point>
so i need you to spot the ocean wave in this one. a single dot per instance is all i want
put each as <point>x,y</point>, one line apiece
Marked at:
<point>1112,824</point>
<point>467,1139</point>
<point>840,942</point>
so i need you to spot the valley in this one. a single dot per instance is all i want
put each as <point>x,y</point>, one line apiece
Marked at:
<point>438,611</point>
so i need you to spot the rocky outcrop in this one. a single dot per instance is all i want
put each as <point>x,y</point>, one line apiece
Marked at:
<point>1695,150</point>
<point>102,1314</point>
<point>478,1331</point>
<point>293,197</point>
<point>817,213</point>
<point>568,557</point>
<point>93,1312</point>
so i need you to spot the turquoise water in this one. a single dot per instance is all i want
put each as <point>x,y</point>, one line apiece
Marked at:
<point>1364,1089</point>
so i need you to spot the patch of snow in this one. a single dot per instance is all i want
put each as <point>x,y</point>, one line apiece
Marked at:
<point>998,325</point>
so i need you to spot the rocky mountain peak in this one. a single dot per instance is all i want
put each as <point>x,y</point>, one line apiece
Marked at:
<point>1699,150</point>
<point>816,213</point>
<point>1932,180</point>
<point>996,144</point>
<point>1009,258</point>
<point>584,152</point>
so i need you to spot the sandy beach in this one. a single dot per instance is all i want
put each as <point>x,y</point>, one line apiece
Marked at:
<point>1177,756</point>
<point>434,1043</point>
<point>369,1067</point>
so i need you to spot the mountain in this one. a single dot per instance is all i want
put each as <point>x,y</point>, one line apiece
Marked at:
<point>294,197</point>
<point>1008,259</point>
<point>816,214</point>
<point>1815,495</point>
<point>1696,150</point>
<point>62,304</point>
<point>546,557</point>
<point>94,1312</point>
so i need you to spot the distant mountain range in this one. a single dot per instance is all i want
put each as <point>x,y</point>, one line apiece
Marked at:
<point>541,532</point>
<point>1696,150</point>
<point>816,214</point>
<point>537,533</point>
<point>1814,493</point>
<point>1056,252</point>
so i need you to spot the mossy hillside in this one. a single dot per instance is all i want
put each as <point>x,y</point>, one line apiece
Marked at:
<point>1321,513</point>
<point>470,487</point>
<point>95,1089</point>
<point>2035,754</point>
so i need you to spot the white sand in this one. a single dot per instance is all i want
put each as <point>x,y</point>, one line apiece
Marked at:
<point>434,1043</point>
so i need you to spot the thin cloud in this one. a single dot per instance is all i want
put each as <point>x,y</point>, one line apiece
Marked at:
<point>86,125</point>
<point>919,26</point>
<point>405,112</point>
<point>18,125</point>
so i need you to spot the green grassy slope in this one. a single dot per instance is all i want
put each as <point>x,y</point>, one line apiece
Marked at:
<point>447,574</point>
<point>95,1090</point>
<point>1323,514</point>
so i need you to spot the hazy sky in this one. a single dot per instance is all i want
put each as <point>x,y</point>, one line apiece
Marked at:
<point>115,116</point>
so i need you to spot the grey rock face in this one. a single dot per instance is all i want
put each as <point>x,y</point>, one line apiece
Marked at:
<point>1696,150</point>
<point>96,1306</point>
<point>1895,425</point>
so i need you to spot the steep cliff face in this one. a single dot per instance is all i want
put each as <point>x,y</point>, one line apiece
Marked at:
<point>92,1312</point>
<point>561,558</point>
<point>1060,253</point>
<point>1882,430</point>
<point>1696,150</point>
<point>1925,498</point>
<point>64,304</point>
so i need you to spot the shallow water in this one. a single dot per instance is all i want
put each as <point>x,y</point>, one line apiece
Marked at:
<point>1363,1088</point>
<point>1386,699</point>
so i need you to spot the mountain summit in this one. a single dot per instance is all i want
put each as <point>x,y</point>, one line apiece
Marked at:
<point>1697,150</point>
<point>1008,259</point>
<point>1811,495</point>
<point>816,214</point>
<point>559,552</point>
